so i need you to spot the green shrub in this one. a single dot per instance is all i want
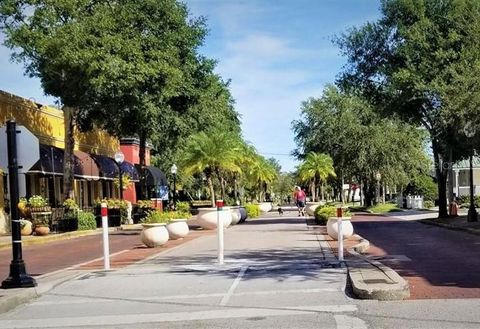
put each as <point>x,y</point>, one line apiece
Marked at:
<point>183,206</point>
<point>323,213</point>
<point>428,204</point>
<point>253,210</point>
<point>159,217</point>
<point>86,221</point>
<point>144,204</point>
<point>384,208</point>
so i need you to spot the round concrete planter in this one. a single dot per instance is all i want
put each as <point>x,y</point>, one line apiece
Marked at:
<point>332,228</point>
<point>236,215</point>
<point>265,207</point>
<point>177,229</point>
<point>310,207</point>
<point>243,214</point>
<point>27,229</point>
<point>207,217</point>
<point>154,235</point>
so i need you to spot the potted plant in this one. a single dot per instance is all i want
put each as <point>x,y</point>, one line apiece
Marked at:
<point>38,203</point>
<point>332,225</point>
<point>177,224</point>
<point>42,223</point>
<point>23,208</point>
<point>207,217</point>
<point>25,227</point>
<point>154,232</point>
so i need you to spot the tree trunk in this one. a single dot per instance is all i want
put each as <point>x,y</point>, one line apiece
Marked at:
<point>142,150</point>
<point>235,188</point>
<point>349,194</point>
<point>222,187</point>
<point>441,182</point>
<point>368,192</point>
<point>313,189</point>
<point>212,191</point>
<point>342,196</point>
<point>322,189</point>
<point>68,160</point>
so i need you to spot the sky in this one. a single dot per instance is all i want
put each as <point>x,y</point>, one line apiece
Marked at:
<point>277,54</point>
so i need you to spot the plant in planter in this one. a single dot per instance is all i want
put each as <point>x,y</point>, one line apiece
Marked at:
<point>23,208</point>
<point>42,224</point>
<point>70,204</point>
<point>86,221</point>
<point>25,227</point>
<point>154,232</point>
<point>38,203</point>
<point>126,182</point>
<point>177,224</point>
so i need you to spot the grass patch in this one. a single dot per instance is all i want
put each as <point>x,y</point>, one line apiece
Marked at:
<point>384,208</point>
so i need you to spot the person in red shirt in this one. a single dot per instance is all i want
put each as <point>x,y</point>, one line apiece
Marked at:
<point>299,197</point>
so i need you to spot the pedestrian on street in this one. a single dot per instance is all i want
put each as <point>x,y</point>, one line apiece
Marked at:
<point>299,197</point>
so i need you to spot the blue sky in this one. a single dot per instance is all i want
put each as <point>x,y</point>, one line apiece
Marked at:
<point>276,52</point>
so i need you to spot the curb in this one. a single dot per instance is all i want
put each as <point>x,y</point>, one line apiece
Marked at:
<point>54,237</point>
<point>13,298</point>
<point>371,279</point>
<point>450,227</point>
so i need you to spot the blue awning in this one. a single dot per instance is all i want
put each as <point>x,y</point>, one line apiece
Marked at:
<point>129,169</point>
<point>108,167</point>
<point>50,162</point>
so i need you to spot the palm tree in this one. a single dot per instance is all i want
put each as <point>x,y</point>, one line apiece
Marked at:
<point>316,168</point>
<point>211,154</point>
<point>261,172</point>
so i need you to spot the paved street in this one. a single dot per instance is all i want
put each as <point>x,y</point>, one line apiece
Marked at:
<point>278,274</point>
<point>437,262</point>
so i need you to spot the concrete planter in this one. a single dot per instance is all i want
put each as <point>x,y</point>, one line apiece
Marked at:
<point>311,206</point>
<point>265,207</point>
<point>154,235</point>
<point>332,228</point>
<point>236,215</point>
<point>27,229</point>
<point>243,214</point>
<point>177,229</point>
<point>207,217</point>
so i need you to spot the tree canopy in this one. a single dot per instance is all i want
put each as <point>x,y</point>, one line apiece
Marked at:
<point>418,62</point>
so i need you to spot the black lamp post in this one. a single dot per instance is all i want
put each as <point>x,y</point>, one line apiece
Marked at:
<point>173,170</point>
<point>119,158</point>
<point>18,277</point>
<point>472,212</point>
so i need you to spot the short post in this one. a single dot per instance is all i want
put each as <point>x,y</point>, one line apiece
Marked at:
<point>106,247</point>
<point>220,231</point>
<point>340,233</point>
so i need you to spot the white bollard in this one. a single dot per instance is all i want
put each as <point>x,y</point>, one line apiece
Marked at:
<point>220,231</point>
<point>106,247</point>
<point>340,239</point>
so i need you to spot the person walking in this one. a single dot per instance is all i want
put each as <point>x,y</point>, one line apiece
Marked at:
<point>299,197</point>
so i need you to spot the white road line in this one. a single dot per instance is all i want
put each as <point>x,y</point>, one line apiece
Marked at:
<point>235,283</point>
<point>97,259</point>
<point>124,319</point>
<point>349,322</point>
<point>84,299</point>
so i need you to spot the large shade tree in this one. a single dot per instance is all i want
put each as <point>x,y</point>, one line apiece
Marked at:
<point>112,62</point>
<point>413,63</point>
<point>360,142</point>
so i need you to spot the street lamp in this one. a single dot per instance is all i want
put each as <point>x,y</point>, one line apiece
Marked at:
<point>469,131</point>
<point>173,170</point>
<point>119,158</point>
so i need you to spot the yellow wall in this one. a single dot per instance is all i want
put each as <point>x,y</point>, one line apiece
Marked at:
<point>48,125</point>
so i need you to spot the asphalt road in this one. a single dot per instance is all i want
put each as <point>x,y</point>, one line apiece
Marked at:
<point>437,262</point>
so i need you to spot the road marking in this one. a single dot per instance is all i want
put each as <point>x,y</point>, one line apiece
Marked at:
<point>235,283</point>
<point>124,319</point>
<point>97,259</point>
<point>85,299</point>
<point>349,322</point>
